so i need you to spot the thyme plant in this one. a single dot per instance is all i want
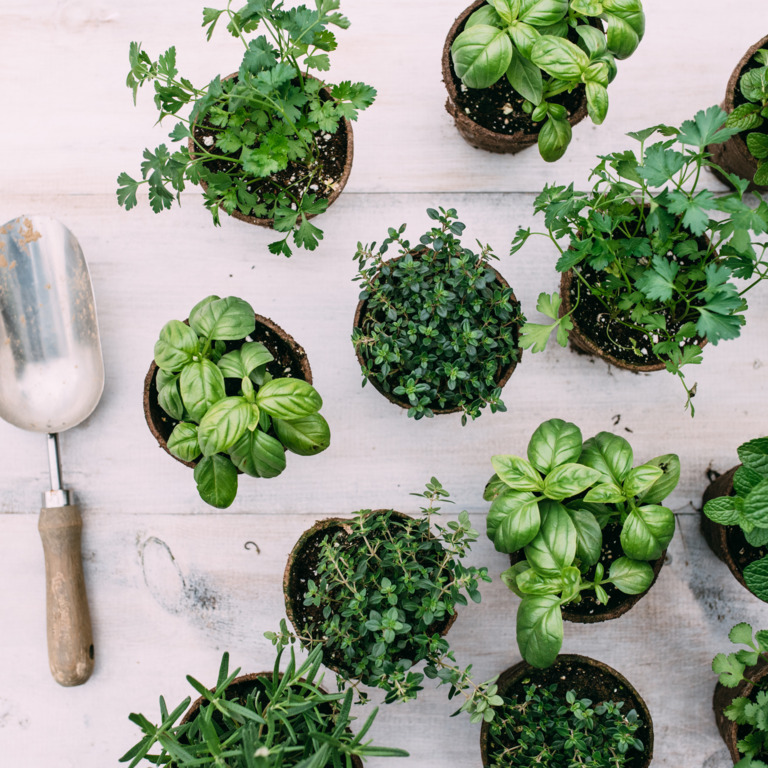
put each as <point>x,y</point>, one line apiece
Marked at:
<point>259,138</point>
<point>438,327</point>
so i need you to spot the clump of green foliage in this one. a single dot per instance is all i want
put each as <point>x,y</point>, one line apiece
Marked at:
<point>550,731</point>
<point>245,425</point>
<point>438,327</point>
<point>751,713</point>
<point>554,506</point>
<point>273,117</point>
<point>527,41</point>
<point>753,85</point>
<point>283,721</point>
<point>383,587</point>
<point>663,251</point>
<point>748,508</point>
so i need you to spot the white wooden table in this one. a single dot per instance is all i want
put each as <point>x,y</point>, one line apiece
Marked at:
<point>171,584</point>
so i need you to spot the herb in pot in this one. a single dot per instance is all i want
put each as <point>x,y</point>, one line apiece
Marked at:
<point>554,508</point>
<point>651,255</point>
<point>230,409</point>
<point>378,595</point>
<point>271,720</point>
<point>747,508</point>
<point>745,670</point>
<point>258,141</point>
<point>436,326</point>
<point>527,42</point>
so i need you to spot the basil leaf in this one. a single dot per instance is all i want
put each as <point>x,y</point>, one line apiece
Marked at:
<point>670,466</point>
<point>724,510</point>
<point>517,473</point>
<point>569,480</point>
<point>553,443</point>
<point>258,454</point>
<point>647,531</point>
<point>513,520</point>
<point>641,478</point>
<point>202,385</point>
<point>626,26</point>
<point>597,101</point>
<point>223,425</point>
<point>509,577</point>
<point>540,629</point>
<point>481,55</point>
<point>506,9</point>
<point>531,583</point>
<point>609,454</point>
<point>605,493</point>
<point>231,365</point>
<point>756,504</point>
<point>183,441</point>
<point>227,319</point>
<point>554,547</point>
<point>587,8</point>
<point>589,536</point>
<point>253,355</point>
<point>306,436</point>
<point>543,12</point>
<point>216,479</point>
<point>486,15</point>
<point>524,36</point>
<point>525,77</point>
<point>554,138</point>
<point>493,488</point>
<point>559,58</point>
<point>288,398</point>
<point>631,577</point>
<point>592,39</point>
<point>169,398</point>
<point>176,346</point>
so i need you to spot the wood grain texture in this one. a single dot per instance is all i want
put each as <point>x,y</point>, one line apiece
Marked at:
<point>171,582</point>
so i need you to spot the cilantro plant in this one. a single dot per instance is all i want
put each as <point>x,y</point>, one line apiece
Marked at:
<point>555,731</point>
<point>277,721</point>
<point>751,713</point>
<point>438,329</point>
<point>553,508</point>
<point>229,407</point>
<point>527,42</point>
<point>748,508</point>
<point>753,85</point>
<point>382,588</point>
<point>655,250</point>
<point>257,139</point>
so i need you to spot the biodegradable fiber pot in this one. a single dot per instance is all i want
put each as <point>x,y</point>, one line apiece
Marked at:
<point>588,678</point>
<point>338,154</point>
<point>302,566</point>
<point>733,155</point>
<point>503,376</point>
<point>290,360</point>
<point>723,697</point>
<point>500,104</point>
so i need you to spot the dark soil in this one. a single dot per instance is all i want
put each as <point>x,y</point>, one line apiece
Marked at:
<point>742,552</point>
<point>587,680</point>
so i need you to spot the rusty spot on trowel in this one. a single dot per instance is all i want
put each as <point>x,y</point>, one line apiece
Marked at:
<point>28,233</point>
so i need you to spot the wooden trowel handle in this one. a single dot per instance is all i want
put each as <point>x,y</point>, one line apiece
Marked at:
<point>70,639</point>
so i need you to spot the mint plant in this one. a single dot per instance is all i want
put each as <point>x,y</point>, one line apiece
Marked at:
<point>753,85</point>
<point>258,140</point>
<point>657,252</point>
<point>438,328</point>
<point>381,586</point>
<point>748,508</point>
<point>527,41</point>
<point>749,712</point>
<point>550,730</point>
<point>230,409</point>
<point>553,508</point>
<point>276,721</point>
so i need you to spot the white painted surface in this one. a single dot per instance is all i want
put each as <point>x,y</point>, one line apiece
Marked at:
<point>171,585</point>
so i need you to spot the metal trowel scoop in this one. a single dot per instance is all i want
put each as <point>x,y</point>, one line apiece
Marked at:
<point>51,379</point>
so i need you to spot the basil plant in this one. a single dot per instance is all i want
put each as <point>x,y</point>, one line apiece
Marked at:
<point>528,42</point>
<point>553,508</point>
<point>230,410</point>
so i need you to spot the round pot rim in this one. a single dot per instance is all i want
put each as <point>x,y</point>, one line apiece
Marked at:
<point>510,676</point>
<point>518,139</point>
<point>506,374</point>
<point>317,527</point>
<point>267,323</point>
<point>340,183</point>
<point>580,340</point>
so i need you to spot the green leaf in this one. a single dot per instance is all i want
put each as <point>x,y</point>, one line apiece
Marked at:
<point>258,454</point>
<point>288,398</point>
<point>531,583</point>
<point>216,479</point>
<point>723,510</point>
<point>554,547</point>
<point>542,13</point>
<point>609,454</point>
<point>757,143</point>
<point>669,463</point>
<point>606,493</point>
<point>754,455</point>
<point>745,479</point>
<point>707,127</point>
<point>126,191</point>
<point>745,117</point>
<point>169,397</point>
<point>306,436</point>
<point>756,578</point>
<point>592,39</point>
<point>525,77</point>
<point>632,577</point>
<point>493,488</point>
<point>224,424</point>
<point>202,385</point>
<point>660,164</point>
<point>507,10</point>
<point>658,282</point>
<point>729,668</point>
<point>693,209</point>
<point>481,55</point>
<point>513,520</point>
<point>589,536</point>
<point>509,577</point>
<point>716,326</point>
<point>554,442</point>
<point>626,25</point>
<point>647,532</point>
<point>183,441</point>
<point>540,629</point>
<point>517,473</point>
<point>554,138</point>
<point>568,480</point>
<point>523,36</point>
<point>597,101</point>
<point>485,14</point>
<point>741,634</point>
<point>176,346</point>
<point>641,478</point>
<point>559,58</point>
<point>228,319</point>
